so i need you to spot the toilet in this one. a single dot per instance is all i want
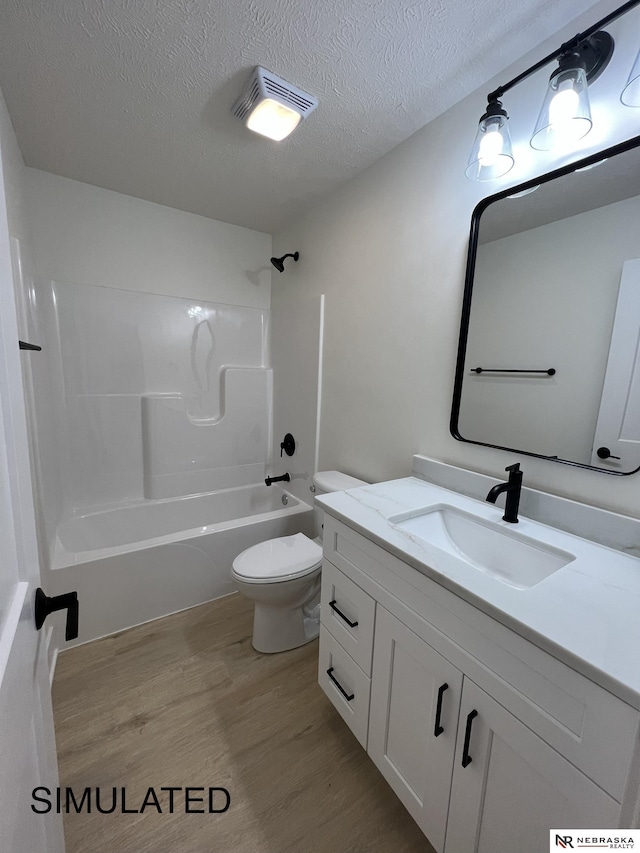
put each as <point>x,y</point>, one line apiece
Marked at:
<point>282,577</point>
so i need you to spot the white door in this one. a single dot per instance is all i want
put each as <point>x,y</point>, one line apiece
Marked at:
<point>415,697</point>
<point>616,444</point>
<point>27,746</point>
<point>510,787</point>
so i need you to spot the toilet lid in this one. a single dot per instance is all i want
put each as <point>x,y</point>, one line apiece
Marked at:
<point>278,559</point>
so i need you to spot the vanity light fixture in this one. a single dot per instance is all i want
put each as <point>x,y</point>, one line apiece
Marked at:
<point>565,116</point>
<point>272,107</point>
<point>491,155</point>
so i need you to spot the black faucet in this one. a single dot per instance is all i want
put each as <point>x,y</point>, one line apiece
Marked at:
<point>285,477</point>
<point>512,487</point>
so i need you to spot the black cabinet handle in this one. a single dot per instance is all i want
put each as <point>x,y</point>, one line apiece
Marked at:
<point>605,453</point>
<point>438,729</point>
<point>25,345</point>
<point>466,758</point>
<point>45,605</point>
<point>338,685</point>
<point>332,605</point>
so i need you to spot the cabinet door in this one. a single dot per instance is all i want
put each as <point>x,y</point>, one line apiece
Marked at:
<point>515,787</point>
<point>415,699</point>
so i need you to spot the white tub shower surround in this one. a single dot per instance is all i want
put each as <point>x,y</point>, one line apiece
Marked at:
<point>165,421</point>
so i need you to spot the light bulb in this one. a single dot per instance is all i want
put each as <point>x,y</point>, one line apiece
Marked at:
<point>491,146</point>
<point>271,118</point>
<point>562,113</point>
<point>565,116</point>
<point>564,104</point>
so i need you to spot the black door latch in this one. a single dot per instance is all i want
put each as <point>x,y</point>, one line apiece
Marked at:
<point>45,605</point>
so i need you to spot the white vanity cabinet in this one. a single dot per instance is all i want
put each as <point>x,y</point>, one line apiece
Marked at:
<point>487,739</point>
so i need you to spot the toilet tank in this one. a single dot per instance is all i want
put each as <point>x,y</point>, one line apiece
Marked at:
<point>330,481</point>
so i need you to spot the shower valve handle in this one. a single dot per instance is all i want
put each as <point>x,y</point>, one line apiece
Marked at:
<point>288,445</point>
<point>45,605</point>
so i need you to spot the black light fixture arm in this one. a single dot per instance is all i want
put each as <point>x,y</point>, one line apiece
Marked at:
<point>567,47</point>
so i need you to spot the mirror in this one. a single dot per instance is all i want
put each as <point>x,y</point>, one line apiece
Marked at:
<point>549,351</point>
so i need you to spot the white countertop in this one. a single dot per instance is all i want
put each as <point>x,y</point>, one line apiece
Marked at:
<point>586,614</point>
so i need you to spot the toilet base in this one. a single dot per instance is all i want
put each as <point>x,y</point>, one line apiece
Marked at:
<point>278,627</point>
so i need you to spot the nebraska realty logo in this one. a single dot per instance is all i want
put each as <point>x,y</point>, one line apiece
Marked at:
<point>603,839</point>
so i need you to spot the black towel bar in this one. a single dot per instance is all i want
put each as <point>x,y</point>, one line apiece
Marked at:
<point>550,372</point>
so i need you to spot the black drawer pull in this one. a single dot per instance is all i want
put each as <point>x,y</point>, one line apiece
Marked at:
<point>332,605</point>
<point>466,758</point>
<point>339,686</point>
<point>438,729</point>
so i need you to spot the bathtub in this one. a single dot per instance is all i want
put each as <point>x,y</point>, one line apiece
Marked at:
<point>136,563</point>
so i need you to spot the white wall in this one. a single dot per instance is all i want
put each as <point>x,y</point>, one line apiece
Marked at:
<point>389,252</point>
<point>90,235</point>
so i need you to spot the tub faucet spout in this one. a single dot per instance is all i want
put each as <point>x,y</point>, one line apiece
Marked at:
<point>285,478</point>
<point>512,487</point>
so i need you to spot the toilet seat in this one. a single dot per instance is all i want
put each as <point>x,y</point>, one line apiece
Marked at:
<point>277,560</point>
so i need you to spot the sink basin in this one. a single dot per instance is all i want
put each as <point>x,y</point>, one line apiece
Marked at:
<point>504,554</point>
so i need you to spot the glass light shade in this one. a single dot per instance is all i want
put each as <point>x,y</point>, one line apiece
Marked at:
<point>273,119</point>
<point>565,116</point>
<point>630,96</point>
<point>491,155</point>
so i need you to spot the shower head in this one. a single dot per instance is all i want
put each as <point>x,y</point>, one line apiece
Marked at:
<point>279,262</point>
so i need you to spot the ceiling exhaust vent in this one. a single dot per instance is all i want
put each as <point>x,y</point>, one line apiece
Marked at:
<point>271,106</point>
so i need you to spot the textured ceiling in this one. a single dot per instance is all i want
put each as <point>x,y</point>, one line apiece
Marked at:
<point>135,95</point>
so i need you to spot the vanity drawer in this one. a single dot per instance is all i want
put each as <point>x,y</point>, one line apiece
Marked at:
<point>345,684</point>
<point>348,612</point>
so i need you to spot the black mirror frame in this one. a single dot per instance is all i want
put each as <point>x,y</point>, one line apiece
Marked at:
<point>591,160</point>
